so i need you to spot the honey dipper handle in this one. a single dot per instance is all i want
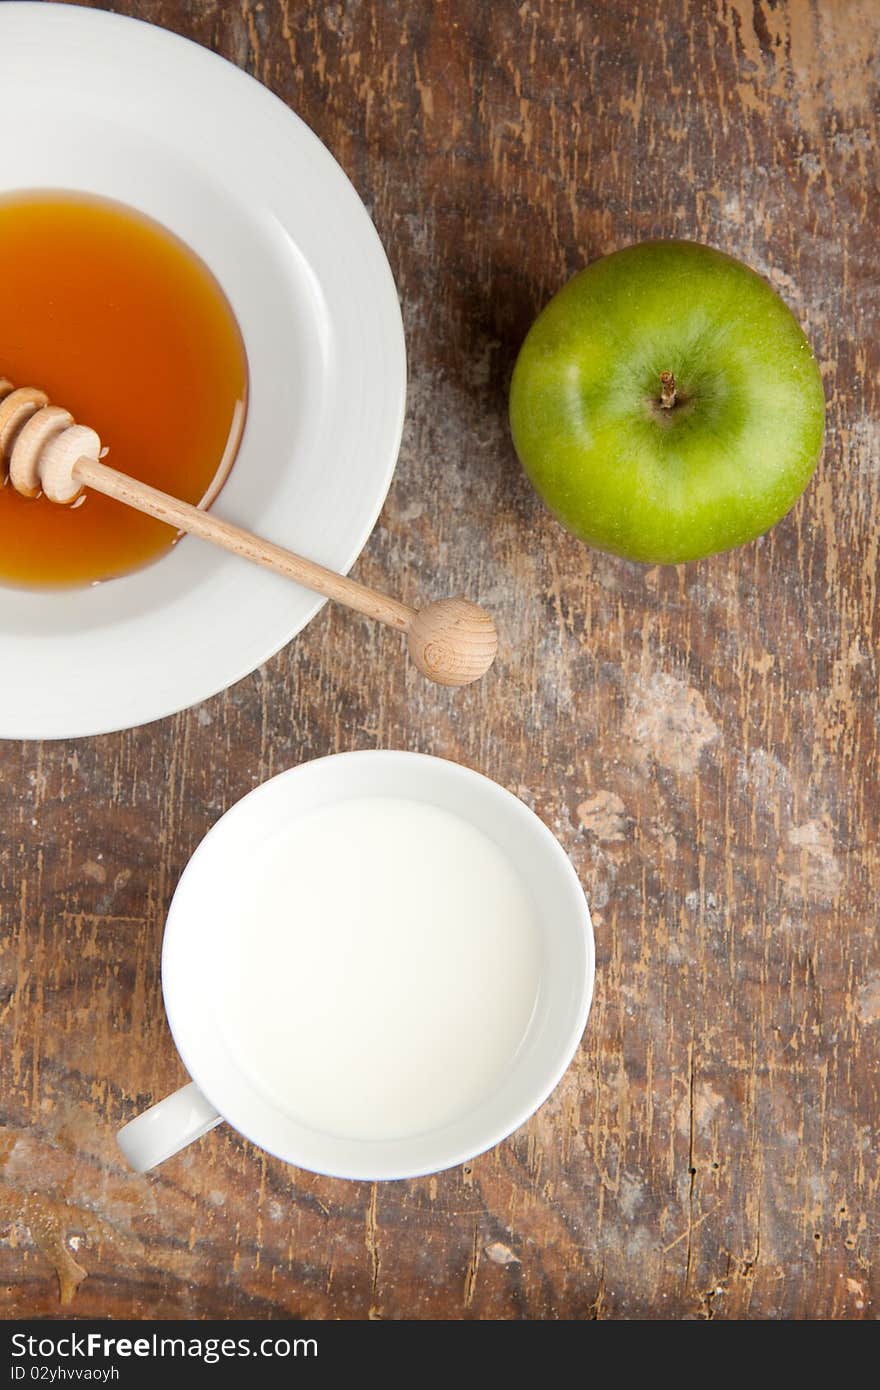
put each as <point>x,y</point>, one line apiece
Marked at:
<point>209,527</point>
<point>451,641</point>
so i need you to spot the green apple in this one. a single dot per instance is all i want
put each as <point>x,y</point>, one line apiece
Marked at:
<point>666,404</point>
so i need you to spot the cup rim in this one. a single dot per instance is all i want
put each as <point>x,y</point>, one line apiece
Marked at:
<point>563,1052</point>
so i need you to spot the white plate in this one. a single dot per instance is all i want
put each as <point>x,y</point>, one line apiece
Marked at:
<point>107,105</point>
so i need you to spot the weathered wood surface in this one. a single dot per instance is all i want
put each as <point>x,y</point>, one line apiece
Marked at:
<point>704,740</point>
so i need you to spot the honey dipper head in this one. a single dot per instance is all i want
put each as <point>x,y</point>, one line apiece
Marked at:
<point>452,641</point>
<point>40,445</point>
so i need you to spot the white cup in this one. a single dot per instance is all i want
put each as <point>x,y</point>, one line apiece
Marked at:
<point>220,1089</point>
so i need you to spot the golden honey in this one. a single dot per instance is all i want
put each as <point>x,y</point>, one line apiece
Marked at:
<point>123,325</point>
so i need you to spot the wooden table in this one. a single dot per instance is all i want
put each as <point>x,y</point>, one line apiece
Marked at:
<point>703,739</point>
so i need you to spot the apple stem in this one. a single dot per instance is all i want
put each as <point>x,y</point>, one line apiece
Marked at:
<point>667,390</point>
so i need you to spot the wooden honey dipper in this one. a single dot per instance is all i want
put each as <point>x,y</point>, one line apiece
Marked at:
<point>451,641</point>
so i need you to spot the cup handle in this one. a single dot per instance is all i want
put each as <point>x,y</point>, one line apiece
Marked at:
<point>167,1127</point>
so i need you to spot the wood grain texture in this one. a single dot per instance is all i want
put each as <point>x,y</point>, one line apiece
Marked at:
<point>704,740</point>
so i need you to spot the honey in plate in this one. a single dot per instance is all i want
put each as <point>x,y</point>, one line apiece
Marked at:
<point>123,325</point>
